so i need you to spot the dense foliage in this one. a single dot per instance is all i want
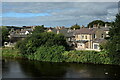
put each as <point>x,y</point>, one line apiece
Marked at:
<point>52,54</point>
<point>114,41</point>
<point>87,57</point>
<point>5,33</point>
<point>96,22</point>
<point>57,54</point>
<point>39,29</point>
<point>100,23</point>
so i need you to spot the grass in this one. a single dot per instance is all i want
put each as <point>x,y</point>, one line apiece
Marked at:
<point>11,53</point>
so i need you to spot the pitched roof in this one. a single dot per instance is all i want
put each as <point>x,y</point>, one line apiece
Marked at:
<point>86,31</point>
<point>70,33</point>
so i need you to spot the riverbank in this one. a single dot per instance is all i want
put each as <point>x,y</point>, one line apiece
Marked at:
<point>67,56</point>
<point>11,53</point>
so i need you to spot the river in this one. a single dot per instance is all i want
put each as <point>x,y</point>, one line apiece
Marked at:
<point>35,69</point>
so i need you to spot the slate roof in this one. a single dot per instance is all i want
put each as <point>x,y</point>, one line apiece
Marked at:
<point>86,31</point>
<point>63,31</point>
<point>70,33</point>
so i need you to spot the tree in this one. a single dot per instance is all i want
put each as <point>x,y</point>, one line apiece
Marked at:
<point>39,29</point>
<point>109,23</point>
<point>96,22</point>
<point>5,33</point>
<point>76,26</point>
<point>114,41</point>
<point>36,40</point>
<point>51,53</point>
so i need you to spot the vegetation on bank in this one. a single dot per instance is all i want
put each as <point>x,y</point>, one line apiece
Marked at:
<point>11,53</point>
<point>58,54</point>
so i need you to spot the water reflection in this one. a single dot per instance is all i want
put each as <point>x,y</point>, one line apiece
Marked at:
<point>28,69</point>
<point>43,69</point>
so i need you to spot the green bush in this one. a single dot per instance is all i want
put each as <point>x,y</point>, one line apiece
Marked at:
<point>36,40</point>
<point>52,54</point>
<point>87,57</point>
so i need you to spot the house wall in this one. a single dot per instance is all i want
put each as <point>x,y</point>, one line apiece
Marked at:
<point>86,37</point>
<point>82,37</point>
<point>99,34</point>
<point>90,37</point>
<point>107,33</point>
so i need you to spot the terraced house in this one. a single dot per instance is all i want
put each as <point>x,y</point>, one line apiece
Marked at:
<point>89,38</point>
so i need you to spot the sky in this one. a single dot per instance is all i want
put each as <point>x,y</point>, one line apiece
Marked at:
<point>54,14</point>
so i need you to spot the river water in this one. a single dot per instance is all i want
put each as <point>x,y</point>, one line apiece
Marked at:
<point>34,69</point>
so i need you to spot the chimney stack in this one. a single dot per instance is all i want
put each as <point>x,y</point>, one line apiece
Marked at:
<point>73,28</point>
<point>58,31</point>
<point>105,25</point>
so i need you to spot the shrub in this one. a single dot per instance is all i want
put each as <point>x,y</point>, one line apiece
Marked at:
<point>87,57</point>
<point>36,40</point>
<point>52,54</point>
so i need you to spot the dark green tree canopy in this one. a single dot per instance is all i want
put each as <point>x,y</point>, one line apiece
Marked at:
<point>36,40</point>
<point>114,41</point>
<point>39,29</point>
<point>96,22</point>
<point>76,26</point>
<point>5,33</point>
<point>100,23</point>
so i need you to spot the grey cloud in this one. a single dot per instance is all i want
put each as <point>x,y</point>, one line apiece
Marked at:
<point>62,13</point>
<point>60,1</point>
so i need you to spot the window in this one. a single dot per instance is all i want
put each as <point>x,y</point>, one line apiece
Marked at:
<point>82,37</point>
<point>94,36</point>
<point>85,37</point>
<point>102,36</point>
<point>95,46</point>
<point>76,36</point>
<point>69,39</point>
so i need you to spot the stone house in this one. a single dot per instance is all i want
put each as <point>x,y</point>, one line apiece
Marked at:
<point>89,38</point>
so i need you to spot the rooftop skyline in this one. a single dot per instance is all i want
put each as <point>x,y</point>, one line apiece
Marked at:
<point>56,13</point>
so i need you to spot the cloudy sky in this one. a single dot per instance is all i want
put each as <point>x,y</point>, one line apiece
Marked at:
<point>56,13</point>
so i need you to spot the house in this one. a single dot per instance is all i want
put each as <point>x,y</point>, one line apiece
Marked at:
<point>70,38</point>
<point>89,38</point>
<point>25,32</point>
